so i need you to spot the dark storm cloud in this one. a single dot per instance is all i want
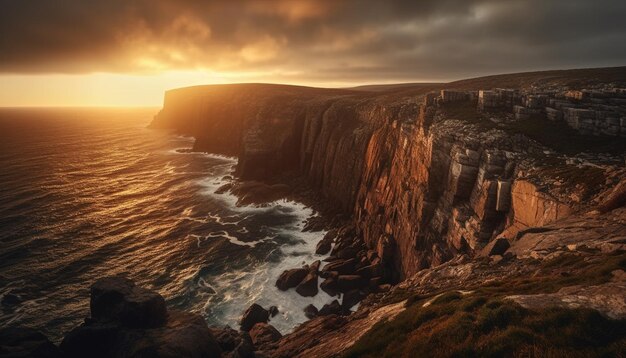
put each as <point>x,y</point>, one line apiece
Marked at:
<point>316,40</point>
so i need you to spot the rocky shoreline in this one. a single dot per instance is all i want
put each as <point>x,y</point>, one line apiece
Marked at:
<point>462,233</point>
<point>349,273</point>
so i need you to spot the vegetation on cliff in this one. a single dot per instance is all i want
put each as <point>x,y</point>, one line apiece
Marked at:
<point>482,322</point>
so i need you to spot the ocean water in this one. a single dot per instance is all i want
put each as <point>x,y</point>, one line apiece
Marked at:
<point>86,193</point>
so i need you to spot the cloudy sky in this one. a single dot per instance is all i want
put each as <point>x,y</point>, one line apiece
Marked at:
<point>72,52</point>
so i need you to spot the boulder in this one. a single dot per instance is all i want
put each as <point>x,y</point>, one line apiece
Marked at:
<point>496,247</point>
<point>347,253</point>
<point>329,286</point>
<point>183,335</point>
<point>342,266</point>
<point>350,282</point>
<point>330,308</point>
<point>227,338</point>
<point>234,343</point>
<point>329,274</point>
<point>273,311</point>
<point>253,315</point>
<point>26,342</point>
<point>315,266</point>
<point>350,299</point>
<point>245,349</point>
<point>310,311</point>
<point>118,299</point>
<point>254,192</point>
<point>375,270</point>
<point>291,278</point>
<point>263,333</point>
<point>308,286</point>
<point>224,188</point>
<point>324,246</point>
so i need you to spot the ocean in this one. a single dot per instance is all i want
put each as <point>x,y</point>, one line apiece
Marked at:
<point>86,193</point>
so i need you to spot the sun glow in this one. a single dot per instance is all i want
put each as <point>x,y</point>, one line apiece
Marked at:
<point>107,89</point>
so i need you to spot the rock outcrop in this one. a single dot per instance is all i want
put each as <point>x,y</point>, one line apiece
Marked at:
<point>253,315</point>
<point>291,278</point>
<point>263,334</point>
<point>21,342</point>
<point>129,321</point>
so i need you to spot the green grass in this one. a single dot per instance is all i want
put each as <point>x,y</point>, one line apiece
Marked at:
<point>484,324</point>
<point>466,111</point>
<point>567,269</point>
<point>493,328</point>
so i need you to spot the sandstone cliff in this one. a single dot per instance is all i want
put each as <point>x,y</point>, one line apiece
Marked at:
<point>427,182</point>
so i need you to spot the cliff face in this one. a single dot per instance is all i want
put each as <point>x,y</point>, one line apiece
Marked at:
<point>422,183</point>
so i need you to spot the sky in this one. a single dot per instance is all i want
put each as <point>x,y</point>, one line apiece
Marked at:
<point>128,52</point>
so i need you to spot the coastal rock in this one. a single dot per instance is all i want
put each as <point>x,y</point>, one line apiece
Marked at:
<point>310,311</point>
<point>254,192</point>
<point>309,334</point>
<point>224,188</point>
<point>350,299</point>
<point>330,286</point>
<point>129,321</point>
<point>228,338</point>
<point>370,271</point>
<point>342,266</point>
<point>323,247</point>
<point>496,247</point>
<point>330,308</point>
<point>245,349</point>
<point>347,253</point>
<point>315,266</point>
<point>118,299</point>
<point>234,344</point>
<point>350,282</point>
<point>273,311</point>
<point>253,315</point>
<point>263,333</point>
<point>21,342</point>
<point>291,278</point>
<point>308,286</point>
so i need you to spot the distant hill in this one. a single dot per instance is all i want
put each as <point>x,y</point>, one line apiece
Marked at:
<point>392,87</point>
